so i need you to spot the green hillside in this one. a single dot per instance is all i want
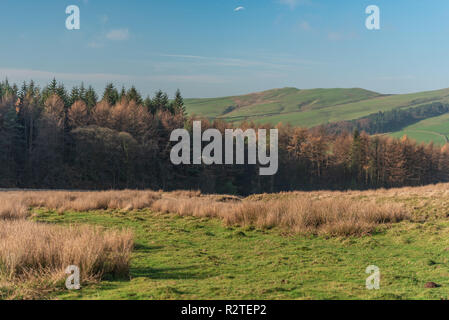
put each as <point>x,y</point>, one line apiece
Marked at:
<point>272,103</point>
<point>308,108</point>
<point>433,129</point>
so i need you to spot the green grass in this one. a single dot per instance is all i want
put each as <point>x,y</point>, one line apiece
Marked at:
<point>192,258</point>
<point>434,130</point>
<point>308,108</point>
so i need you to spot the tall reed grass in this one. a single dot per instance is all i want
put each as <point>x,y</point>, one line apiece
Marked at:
<point>330,213</point>
<point>334,217</point>
<point>39,253</point>
<point>27,247</point>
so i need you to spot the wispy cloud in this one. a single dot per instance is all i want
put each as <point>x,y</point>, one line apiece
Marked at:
<point>271,62</point>
<point>293,3</point>
<point>118,35</point>
<point>218,61</point>
<point>239,9</point>
<point>28,74</point>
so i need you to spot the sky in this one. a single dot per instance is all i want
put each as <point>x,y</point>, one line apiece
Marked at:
<point>210,48</point>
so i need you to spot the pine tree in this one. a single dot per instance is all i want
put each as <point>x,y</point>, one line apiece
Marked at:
<point>134,95</point>
<point>61,92</point>
<point>160,101</point>
<point>23,91</point>
<point>148,104</point>
<point>91,98</point>
<point>55,89</point>
<point>74,95</point>
<point>82,92</point>
<point>53,85</point>
<point>10,142</point>
<point>111,95</point>
<point>178,104</point>
<point>122,94</point>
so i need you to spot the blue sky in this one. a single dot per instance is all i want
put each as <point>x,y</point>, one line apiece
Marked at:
<point>207,49</point>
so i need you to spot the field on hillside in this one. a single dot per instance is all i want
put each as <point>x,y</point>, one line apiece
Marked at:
<point>308,108</point>
<point>434,130</point>
<point>295,245</point>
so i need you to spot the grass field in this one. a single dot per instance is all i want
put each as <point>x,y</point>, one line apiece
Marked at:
<point>185,256</point>
<point>434,130</point>
<point>307,108</point>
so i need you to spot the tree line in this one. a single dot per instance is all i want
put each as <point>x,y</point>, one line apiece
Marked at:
<point>54,138</point>
<point>388,121</point>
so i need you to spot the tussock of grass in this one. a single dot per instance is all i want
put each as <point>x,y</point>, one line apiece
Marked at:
<point>15,204</point>
<point>12,208</point>
<point>334,217</point>
<point>86,201</point>
<point>28,249</point>
<point>34,256</point>
<point>327,213</point>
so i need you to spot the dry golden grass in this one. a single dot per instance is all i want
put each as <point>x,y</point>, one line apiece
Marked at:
<point>335,217</point>
<point>323,212</point>
<point>15,204</point>
<point>30,249</point>
<point>34,256</point>
<point>12,208</point>
<point>86,201</point>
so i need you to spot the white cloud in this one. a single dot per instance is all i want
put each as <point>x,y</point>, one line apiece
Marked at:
<point>118,35</point>
<point>239,9</point>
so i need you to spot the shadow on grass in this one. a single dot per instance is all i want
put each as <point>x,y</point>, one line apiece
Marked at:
<point>143,248</point>
<point>171,273</point>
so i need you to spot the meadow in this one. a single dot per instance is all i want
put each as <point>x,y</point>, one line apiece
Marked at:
<point>307,108</point>
<point>313,107</point>
<point>186,245</point>
<point>434,130</point>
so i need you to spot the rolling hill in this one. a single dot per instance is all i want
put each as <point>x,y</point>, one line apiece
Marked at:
<point>308,108</point>
<point>434,130</point>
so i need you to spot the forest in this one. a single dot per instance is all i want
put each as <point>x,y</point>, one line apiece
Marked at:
<point>54,138</point>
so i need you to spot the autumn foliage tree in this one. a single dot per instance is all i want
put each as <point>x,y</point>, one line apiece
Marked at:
<point>50,138</point>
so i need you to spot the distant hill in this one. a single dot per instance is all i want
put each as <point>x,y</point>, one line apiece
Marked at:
<point>312,107</point>
<point>434,130</point>
<point>266,104</point>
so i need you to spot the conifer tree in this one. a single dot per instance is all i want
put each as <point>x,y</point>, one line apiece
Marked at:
<point>91,98</point>
<point>178,104</point>
<point>134,95</point>
<point>111,95</point>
